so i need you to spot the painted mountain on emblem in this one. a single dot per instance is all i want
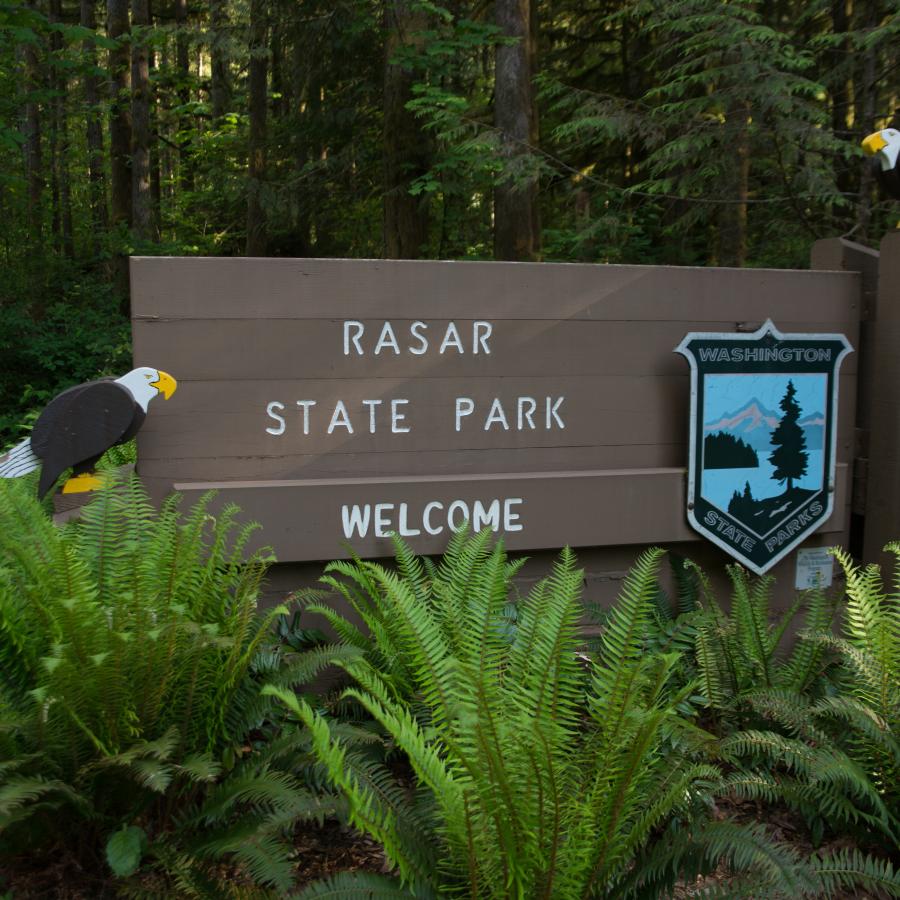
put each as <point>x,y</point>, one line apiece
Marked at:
<point>754,423</point>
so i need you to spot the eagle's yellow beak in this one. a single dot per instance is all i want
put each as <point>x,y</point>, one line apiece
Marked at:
<point>166,384</point>
<point>873,143</point>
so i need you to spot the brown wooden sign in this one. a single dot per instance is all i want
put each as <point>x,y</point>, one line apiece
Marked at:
<point>338,401</point>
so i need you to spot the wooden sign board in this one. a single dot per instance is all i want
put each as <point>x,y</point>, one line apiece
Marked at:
<point>337,401</point>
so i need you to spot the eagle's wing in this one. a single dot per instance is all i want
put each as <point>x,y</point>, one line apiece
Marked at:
<point>81,424</point>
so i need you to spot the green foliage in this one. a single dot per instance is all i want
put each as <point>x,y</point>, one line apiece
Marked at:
<point>726,118</point>
<point>797,727</point>
<point>871,646</point>
<point>867,714</point>
<point>118,456</point>
<point>810,774</point>
<point>124,850</point>
<point>540,772</point>
<point>745,651</point>
<point>56,330</point>
<point>697,133</point>
<point>132,657</point>
<point>358,886</point>
<point>75,601</point>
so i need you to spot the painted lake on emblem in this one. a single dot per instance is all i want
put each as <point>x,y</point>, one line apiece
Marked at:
<point>719,485</point>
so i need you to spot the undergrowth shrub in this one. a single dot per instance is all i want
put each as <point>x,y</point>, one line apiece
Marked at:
<point>835,755</point>
<point>132,657</point>
<point>61,323</point>
<point>539,771</point>
<point>870,649</point>
<point>748,648</point>
<point>814,725</point>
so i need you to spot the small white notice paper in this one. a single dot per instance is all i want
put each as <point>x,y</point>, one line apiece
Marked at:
<point>814,568</point>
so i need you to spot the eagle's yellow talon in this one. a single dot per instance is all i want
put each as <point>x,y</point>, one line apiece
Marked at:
<point>82,483</point>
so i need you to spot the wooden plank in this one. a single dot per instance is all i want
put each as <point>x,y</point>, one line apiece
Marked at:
<point>238,350</point>
<point>847,256</point>
<point>216,288</point>
<point>435,462</point>
<point>605,568</point>
<point>883,495</point>
<point>841,255</point>
<point>305,520</point>
<point>506,413</point>
<point>242,334</point>
<point>601,411</point>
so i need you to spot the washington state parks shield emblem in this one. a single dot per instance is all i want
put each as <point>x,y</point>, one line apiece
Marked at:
<point>763,436</point>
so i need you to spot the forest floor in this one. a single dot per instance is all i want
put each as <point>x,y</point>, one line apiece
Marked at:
<point>783,826</point>
<point>321,852</point>
<point>332,848</point>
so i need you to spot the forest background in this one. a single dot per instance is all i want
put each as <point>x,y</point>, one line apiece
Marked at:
<point>690,132</point>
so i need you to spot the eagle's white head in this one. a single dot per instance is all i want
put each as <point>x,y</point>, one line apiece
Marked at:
<point>146,383</point>
<point>884,144</point>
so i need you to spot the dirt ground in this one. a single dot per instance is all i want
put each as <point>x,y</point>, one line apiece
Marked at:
<point>332,848</point>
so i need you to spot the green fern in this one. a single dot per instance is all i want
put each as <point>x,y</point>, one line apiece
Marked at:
<point>540,774</point>
<point>358,886</point>
<point>833,754</point>
<point>132,655</point>
<point>743,652</point>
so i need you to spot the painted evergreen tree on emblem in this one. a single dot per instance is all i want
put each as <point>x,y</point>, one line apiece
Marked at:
<point>789,456</point>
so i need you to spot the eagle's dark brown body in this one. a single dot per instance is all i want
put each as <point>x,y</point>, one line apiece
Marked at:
<point>79,425</point>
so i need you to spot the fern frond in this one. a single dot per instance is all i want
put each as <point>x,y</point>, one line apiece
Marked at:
<point>365,812</point>
<point>358,886</point>
<point>808,659</point>
<point>616,675</point>
<point>850,868</point>
<point>260,791</point>
<point>19,794</point>
<point>707,651</point>
<point>265,856</point>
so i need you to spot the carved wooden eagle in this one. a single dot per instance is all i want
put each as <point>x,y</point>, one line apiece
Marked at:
<point>79,425</point>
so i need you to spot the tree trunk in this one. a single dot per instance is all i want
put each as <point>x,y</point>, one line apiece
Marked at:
<point>93,128</point>
<point>220,89</point>
<point>34,164</point>
<point>325,221</point>
<point>516,217</point>
<point>155,175</point>
<point>276,50</point>
<point>182,64</point>
<point>840,95</point>
<point>166,144</point>
<point>54,85</point>
<point>300,71</point>
<point>256,215</point>
<point>406,149</point>
<point>864,103</point>
<point>65,181</point>
<point>141,197</point>
<point>117,27</point>
<point>732,218</point>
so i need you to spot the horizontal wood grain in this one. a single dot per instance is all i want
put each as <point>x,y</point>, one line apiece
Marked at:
<point>435,462</point>
<point>593,411</point>
<point>302,519</point>
<point>203,421</point>
<point>216,288</point>
<point>237,350</point>
<point>241,333</point>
